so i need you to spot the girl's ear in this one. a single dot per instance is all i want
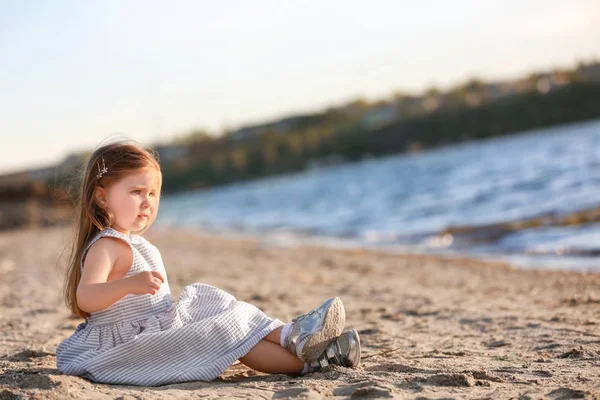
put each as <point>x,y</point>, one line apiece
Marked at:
<point>100,197</point>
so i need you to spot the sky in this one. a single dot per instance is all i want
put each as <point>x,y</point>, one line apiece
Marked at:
<point>73,73</point>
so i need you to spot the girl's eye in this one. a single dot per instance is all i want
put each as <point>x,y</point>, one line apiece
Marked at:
<point>136,192</point>
<point>152,194</point>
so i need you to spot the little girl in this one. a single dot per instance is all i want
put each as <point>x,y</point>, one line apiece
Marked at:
<point>133,333</point>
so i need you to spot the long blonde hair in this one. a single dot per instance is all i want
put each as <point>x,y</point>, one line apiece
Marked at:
<point>120,158</point>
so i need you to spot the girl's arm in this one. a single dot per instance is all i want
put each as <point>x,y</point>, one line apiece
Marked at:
<point>94,293</point>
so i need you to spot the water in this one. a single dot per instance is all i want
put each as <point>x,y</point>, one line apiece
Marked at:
<point>406,201</point>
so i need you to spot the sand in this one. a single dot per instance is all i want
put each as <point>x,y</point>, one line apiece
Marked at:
<point>431,327</point>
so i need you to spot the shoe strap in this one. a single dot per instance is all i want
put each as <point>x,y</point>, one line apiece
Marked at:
<point>301,317</point>
<point>331,355</point>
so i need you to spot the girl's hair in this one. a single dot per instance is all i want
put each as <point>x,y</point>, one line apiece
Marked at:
<point>120,159</point>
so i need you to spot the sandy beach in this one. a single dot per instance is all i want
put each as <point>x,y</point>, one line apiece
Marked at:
<point>431,327</point>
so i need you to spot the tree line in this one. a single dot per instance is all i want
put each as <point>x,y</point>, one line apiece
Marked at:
<point>214,161</point>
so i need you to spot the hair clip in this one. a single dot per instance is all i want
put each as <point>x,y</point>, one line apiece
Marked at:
<point>103,170</point>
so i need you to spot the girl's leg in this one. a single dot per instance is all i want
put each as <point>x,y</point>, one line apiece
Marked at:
<point>271,358</point>
<point>274,336</point>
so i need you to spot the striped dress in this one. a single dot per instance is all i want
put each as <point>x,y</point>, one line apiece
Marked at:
<point>148,340</point>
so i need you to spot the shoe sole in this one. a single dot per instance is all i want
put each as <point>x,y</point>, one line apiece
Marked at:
<point>333,325</point>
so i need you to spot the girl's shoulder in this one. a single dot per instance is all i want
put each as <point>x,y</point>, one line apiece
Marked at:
<point>118,252</point>
<point>109,241</point>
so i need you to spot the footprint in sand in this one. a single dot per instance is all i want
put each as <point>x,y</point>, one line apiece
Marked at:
<point>368,331</point>
<point>454,380</point>
<point>566,394</point>
<point>366,390</point>
<point>574,353</point>
<point>400,368</point>
<point>27,355</point>
<point>297,393</point>
<point>28,379</point>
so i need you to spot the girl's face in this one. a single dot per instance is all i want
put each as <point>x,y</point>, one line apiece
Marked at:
<point>132,200</point>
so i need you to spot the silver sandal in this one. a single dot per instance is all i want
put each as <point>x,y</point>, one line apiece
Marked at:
<point>343,351</point>
<point>319,327</point>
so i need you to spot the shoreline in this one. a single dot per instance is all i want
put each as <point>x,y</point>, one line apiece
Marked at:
<point>291,240</point>
<point>431,327</point>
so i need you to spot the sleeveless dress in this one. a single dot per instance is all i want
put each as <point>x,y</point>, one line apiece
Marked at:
<point>148,340</point>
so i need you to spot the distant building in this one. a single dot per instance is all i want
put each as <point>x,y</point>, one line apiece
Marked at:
<point>41,174</point>
<point>171,154</point>
<point>550,81</point>
<point>494,91</point>
<point>474,98</point>
<point>589,72</point>
<point>431,102</point>
<point>73,160</point>
<point>560,78</point>
<point>280,126</point>
<point>379,116</point>
<point>242,134</point>
<point>355,108</point>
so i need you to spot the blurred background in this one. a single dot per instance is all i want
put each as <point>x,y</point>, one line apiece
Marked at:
<point>439,127</point>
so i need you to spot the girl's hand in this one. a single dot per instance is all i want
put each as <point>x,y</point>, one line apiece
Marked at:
<point>146,282</point>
